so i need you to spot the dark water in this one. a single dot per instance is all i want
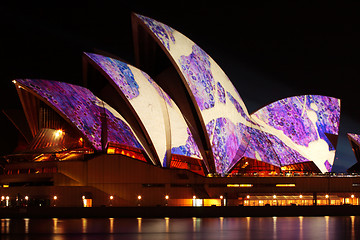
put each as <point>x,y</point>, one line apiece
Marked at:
<point>347,227</point>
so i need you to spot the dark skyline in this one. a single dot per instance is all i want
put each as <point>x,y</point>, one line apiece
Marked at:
<point>269,52</point>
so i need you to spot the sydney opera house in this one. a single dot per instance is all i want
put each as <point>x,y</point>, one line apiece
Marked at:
<point>171,131</point>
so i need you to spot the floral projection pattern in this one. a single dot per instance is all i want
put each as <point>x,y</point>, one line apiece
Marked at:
<point>285,132</point>
<point>84,110</point>
<point>151,101</point>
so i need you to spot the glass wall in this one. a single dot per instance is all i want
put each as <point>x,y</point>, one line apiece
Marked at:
<point>299,200</point>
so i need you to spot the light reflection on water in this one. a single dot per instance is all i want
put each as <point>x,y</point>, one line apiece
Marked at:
<point>346,227</point>
<point>301,227</point>
<point>274,228</point>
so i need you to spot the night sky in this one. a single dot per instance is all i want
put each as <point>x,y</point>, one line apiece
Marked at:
<point>268,51</point>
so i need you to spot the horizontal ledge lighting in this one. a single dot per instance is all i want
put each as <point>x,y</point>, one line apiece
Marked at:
<point>239,185</point>
<point>285,185</point>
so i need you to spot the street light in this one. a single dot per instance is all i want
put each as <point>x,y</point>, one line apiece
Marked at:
<point>26,200</point>
<point>276,202</point>
<point>7,201</point>
<point>166,199</point>
<point>327,198</point>
<point>55,198</point>
<point>111,198</point>
<point>301,196</point>
<point>222,200</point>
<point>139,200</point>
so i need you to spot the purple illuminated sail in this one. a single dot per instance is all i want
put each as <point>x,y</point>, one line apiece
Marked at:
<point>297,129</point>
<point>84,110</point>
<point>160,116</point>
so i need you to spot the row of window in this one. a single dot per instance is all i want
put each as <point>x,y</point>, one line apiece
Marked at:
<point>30,170</point>
<point>230,185</point>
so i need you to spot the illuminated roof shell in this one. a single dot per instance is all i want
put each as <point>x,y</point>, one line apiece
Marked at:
<point>354,137</point>
<point>355,145</point>
<point>158,113</point>
<point>221,110</point>
<point>83,110</point>
<point>297,130</point>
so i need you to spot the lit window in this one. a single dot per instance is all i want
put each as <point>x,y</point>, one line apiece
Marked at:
<point>285,185</point>
<point>111,150</point>
<point>197,202</point>
<point>239,185</point>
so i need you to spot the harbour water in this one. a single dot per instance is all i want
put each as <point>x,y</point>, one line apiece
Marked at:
<point>337,227</point>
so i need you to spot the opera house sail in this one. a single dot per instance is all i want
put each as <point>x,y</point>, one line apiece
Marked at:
<point>90,118</point>
<point>221,111</point>
<point>158,113</point>
<point>171,130</point>
<point>355,145</point>
<point>193,120</point>
<point>299,129</point>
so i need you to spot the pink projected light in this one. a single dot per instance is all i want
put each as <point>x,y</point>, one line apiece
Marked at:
<point>155,109</point>
<point>355,145</point>
<point>296,129</point>
<point>354,137</point>
<point>84,110</point>
<point>220,106</point>
<point>216,131</point>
